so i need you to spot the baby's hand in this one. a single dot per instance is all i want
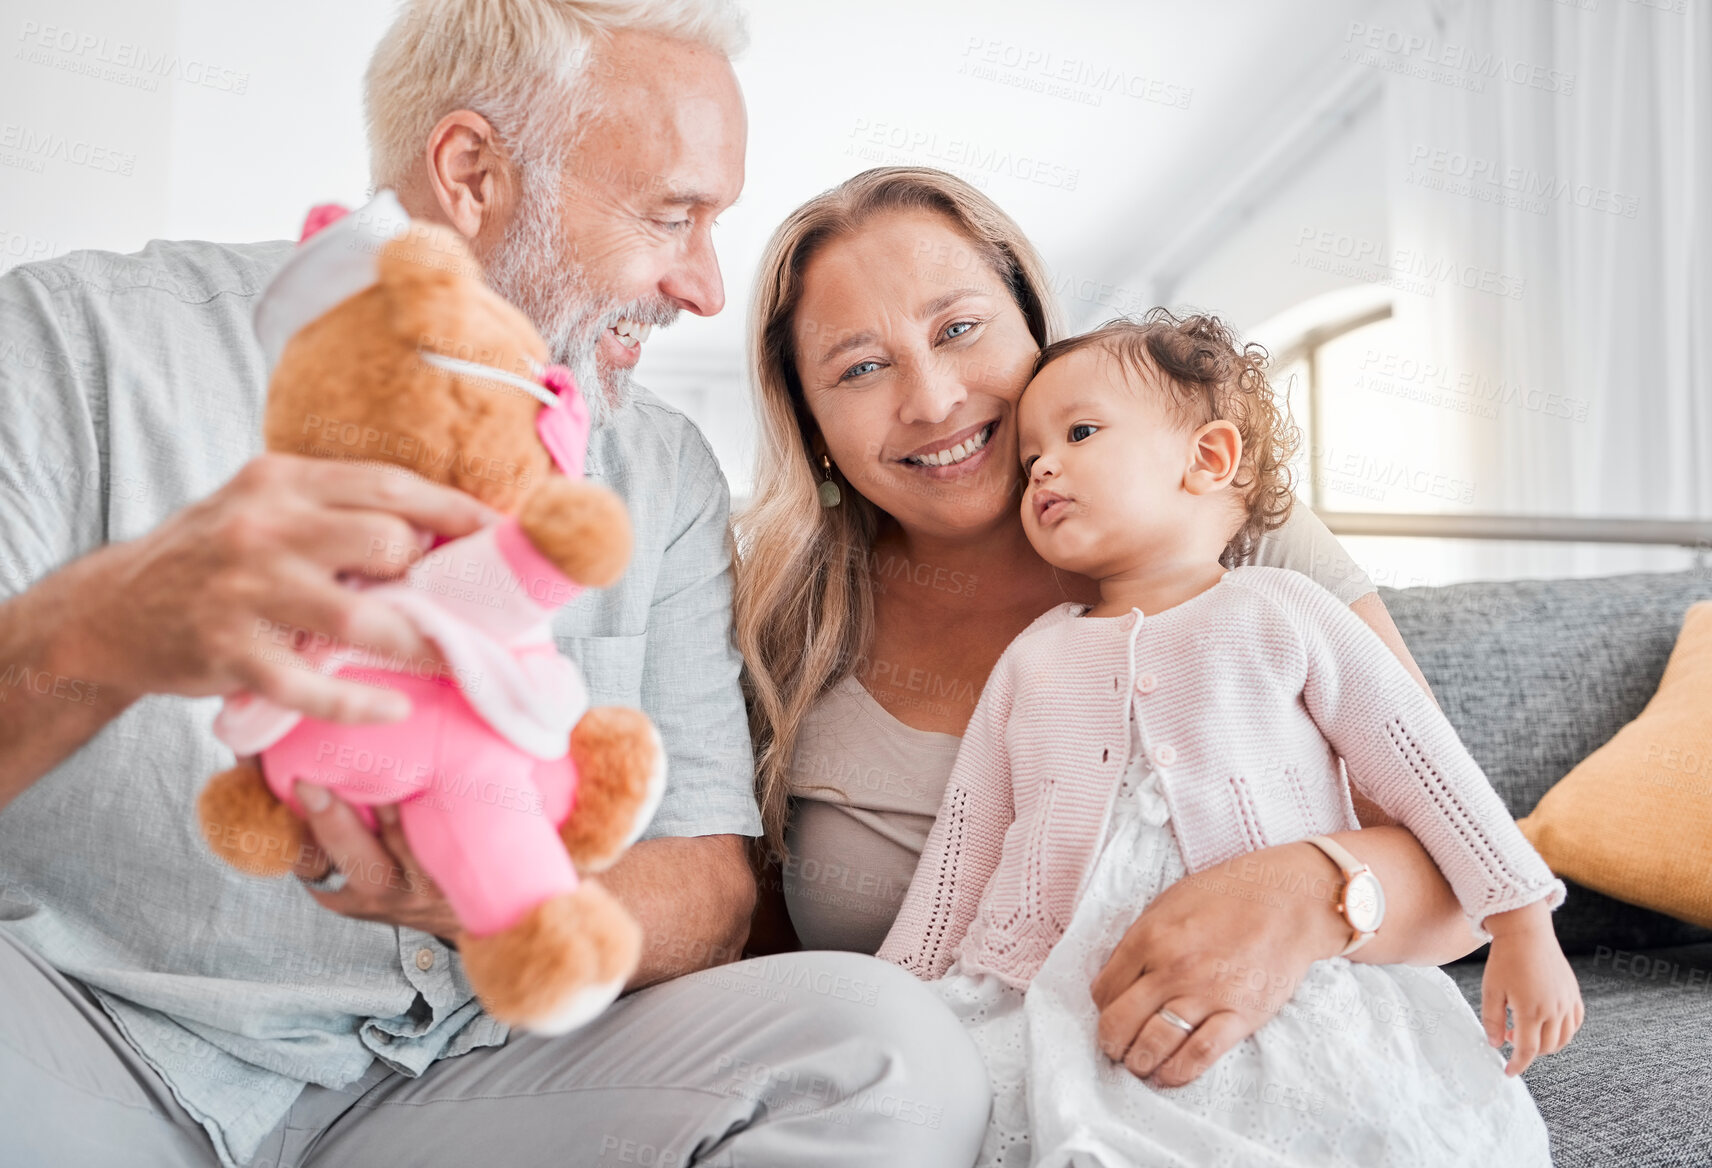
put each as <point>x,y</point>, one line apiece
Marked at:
<point>1527,972</point>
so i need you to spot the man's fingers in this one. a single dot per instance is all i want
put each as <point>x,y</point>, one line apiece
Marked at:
<point>417,881</point>
<point>441,509</point>
<point>352,847</point>
<point>312,863</point>
<point>311,613</point>
<point>372,543</point>
<point>298,687</point>
<point>1212,1040</point>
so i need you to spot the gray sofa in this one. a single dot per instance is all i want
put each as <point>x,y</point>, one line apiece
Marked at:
<point>1536,675</point>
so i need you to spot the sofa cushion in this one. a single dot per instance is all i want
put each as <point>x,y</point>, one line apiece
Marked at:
<point>1536,675</point>
<point>1634,818</point>
<point>1631,1087</point>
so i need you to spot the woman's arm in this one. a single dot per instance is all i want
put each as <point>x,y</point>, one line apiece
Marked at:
<point>1377,617</point>
<point>1400,748</point>
<point>1424,924</point>
<point>1436,930</point>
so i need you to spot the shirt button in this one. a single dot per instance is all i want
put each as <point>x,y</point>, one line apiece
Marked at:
<point>1165,754</point>
<point>1146,683</point>
<point>1128,622</point>
<point>424,959</point>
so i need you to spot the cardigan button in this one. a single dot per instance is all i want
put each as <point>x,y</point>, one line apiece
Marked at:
<point>1146,683</point>
<point>1128,622</point>
<point>1164,754</point>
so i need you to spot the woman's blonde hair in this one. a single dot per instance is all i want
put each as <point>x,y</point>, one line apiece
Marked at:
<point>804,602</point>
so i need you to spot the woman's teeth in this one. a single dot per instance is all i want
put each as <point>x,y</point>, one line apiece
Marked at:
<point>630,334</point>
<point>954,454</point>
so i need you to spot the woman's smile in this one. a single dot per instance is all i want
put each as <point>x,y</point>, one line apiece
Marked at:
<point>955,454</point>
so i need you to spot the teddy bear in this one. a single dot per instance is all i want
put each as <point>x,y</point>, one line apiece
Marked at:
<point>385,345</point>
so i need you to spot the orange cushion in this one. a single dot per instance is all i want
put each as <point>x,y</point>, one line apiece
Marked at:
<point>1634,819</point>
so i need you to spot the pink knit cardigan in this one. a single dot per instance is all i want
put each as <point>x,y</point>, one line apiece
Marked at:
<point>1246,696</point>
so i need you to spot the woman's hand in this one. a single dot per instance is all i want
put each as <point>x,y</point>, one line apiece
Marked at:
<point>383,880</point>
<point>1223,949</point>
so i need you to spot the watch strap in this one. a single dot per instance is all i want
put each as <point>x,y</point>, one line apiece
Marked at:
<point>1350,867</point>
<point>1338,854</point>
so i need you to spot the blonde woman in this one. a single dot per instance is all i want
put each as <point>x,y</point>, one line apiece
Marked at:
<point>883,569</point>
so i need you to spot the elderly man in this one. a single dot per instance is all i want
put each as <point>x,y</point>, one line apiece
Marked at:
<point>157,1008</point>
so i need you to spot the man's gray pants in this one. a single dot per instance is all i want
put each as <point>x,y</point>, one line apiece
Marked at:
<point>798,1061</point>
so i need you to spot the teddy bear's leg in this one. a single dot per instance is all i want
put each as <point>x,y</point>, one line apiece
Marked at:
<point>246,825</point>
<point>543,950</point>
<point>559,966</point>
<point>621,775</point>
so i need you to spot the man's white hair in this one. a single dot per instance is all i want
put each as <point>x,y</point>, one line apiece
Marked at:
<point>524,65</point>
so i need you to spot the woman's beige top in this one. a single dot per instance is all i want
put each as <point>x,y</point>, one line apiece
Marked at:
<point>866,787</point>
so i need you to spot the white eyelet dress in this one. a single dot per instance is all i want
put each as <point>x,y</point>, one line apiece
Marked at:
<point>1366,1066</point>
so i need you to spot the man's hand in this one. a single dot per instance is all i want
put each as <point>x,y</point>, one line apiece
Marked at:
<point>239,591</point>
<point>692,895</point>
<point>194,607</point>
<point>383,880</point>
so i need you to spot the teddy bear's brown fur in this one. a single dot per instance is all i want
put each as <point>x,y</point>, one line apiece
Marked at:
<point>352,385</point>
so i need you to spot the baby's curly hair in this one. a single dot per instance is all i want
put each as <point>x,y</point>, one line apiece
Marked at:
<point>1211,377</point>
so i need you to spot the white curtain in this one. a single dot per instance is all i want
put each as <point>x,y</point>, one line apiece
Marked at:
<point>1550,197</point>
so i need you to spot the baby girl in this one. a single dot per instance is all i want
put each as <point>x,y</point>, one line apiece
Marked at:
<point>1195,714</point>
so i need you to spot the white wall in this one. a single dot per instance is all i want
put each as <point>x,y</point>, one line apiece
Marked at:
<point>1086,121</point>
<point>1273,262</point>
<point>1107,128</point>
<point>1255,272</point>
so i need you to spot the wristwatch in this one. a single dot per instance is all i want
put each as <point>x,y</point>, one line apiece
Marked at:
<point>1362,900</point>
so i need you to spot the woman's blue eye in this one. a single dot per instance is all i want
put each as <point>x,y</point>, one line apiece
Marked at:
<point>1082,430</point>
<point>861,369</point>
<point>673,225</point>
<point>964,325</point>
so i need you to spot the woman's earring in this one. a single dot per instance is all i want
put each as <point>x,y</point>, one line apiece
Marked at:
<point>830,495</point>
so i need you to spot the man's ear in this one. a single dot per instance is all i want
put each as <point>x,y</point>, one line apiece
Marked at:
<point>1215,455</point>
<point>468,174</point>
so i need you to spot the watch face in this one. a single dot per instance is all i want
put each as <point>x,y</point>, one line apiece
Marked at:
<point>1364,902</point>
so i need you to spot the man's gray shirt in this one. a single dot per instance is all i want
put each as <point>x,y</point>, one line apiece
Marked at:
<point>129,387</point>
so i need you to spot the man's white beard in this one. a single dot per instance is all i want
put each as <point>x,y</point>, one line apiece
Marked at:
<point>536,269</point>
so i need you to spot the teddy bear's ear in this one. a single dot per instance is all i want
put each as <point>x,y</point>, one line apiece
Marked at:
<point>440,299</point>
<point>427,269</point>
<point>427,255</point>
